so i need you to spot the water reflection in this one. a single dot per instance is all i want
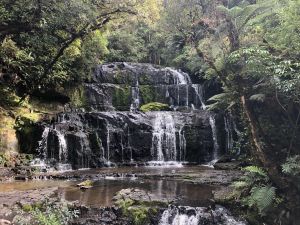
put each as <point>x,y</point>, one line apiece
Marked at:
<point>104,190</point>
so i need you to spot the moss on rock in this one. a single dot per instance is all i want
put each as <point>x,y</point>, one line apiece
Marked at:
<point>155,106</point>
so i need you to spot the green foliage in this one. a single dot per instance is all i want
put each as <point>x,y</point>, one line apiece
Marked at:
<point>255,191</point>
<point>45,214</point>
<point>223,101</point>
<point>255,170</point>
<point>155,106</point>
<point>261,197</point>
<point>125,46</point>
<point>137,211</point>
<point>292,166</point>
<point>46,44</point>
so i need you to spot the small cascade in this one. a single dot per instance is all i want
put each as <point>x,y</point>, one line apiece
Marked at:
<point>181,78</point>
<point>229,133</point>
<point>102,150</point>
<point>63,149</point>
<point>182,144</point>
<point>43,143</point>
<point>199,92</point>
<point>135,97</point>
<point>232,134</point>
<point>164,138</point>
<point>212,123</point>
<point>108,144</point>
<point>184,215</point>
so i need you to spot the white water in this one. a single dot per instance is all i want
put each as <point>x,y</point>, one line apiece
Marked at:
<point>108,144</point>
<point>43,143</point>
<point>212,123</point>
<point>182,144</point>
<point>199,92</point>
<point>196,216</point>
<point>164,137</point>
<point>182,78</point>
<point>229,134</point>
<point>62,144</point>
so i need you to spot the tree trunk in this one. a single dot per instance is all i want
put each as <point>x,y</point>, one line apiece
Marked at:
<point>262,151</point>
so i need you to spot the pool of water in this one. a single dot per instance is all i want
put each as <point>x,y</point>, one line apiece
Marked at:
<point>104,189</point>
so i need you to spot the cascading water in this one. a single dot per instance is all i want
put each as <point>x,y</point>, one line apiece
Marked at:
<point>183,215</point>
<point>232,134</point>
<point>229,133</point>
<point>182,145</point>
<point>164,137</point>
<point>212,122</point>
<point>63,149</point>
<point>199,92</point>
<point>120,136</point>
<point>43,143</point>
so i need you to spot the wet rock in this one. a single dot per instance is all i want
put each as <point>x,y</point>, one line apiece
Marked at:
<point>228,165</point>
<point>223,195</point>
<point>138,195</point>
<point>100,216</point>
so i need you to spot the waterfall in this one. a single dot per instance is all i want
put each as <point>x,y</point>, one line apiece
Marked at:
<point>181,78</point>
<point>212,123</point>
<point>108,144</point>
<point>62,144</point>
<point>182,144</point>
<point>229,133</point>
<point>164,137</point>
<point>135,97</point>
<point>199,92</point>
<point>184,215</point>
<point>43,143</point>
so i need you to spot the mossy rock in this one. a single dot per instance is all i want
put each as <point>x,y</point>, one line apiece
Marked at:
<point>86,184</point>
<point>155,106</point>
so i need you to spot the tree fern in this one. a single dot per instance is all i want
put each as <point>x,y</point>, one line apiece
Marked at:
<point>262,197</point>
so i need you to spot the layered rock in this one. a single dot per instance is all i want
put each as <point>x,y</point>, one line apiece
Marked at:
<point>109,128</point>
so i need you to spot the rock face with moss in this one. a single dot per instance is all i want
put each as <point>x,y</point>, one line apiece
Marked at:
<point>130,113</point>
<point>114,85</point>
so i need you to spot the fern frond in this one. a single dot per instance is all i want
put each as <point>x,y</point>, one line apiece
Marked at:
<point>292,166</point>
<point>255,170</point>
<point>240,184</point>
<point>262,197</point>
